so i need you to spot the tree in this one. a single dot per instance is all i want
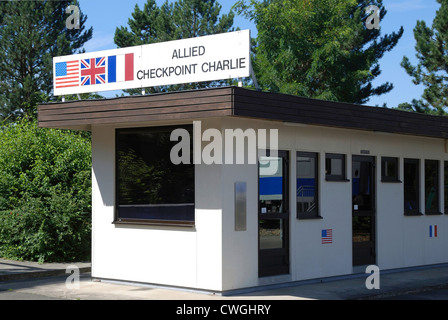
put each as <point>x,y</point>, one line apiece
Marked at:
<point>432,68</point>
<point>31,34</point>
<point>318,48</point>
<point>173,21</point>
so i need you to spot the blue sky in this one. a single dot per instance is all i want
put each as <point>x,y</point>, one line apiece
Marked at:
<point>105,15</point>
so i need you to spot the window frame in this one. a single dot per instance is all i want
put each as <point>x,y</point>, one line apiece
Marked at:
<point>340,177</point>
<point>150,221</point>
<point>315,214</point>
<point>396,177</point>
<point>415,212</point>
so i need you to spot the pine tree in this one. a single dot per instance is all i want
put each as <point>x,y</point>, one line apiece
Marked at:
<point>172,21</point>
<point>31,34</point>
<point>319,48</point>
<point>432,68</point>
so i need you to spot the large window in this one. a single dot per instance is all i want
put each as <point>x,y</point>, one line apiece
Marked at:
<point>149,187</point>
<point>432,187</point>
<point>307,185</point>
<point>411,182</point>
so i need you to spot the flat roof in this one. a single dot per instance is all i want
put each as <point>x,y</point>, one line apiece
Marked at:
<point>237,102</point>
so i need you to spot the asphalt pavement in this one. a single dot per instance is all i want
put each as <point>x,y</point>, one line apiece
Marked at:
<point>53,281</point>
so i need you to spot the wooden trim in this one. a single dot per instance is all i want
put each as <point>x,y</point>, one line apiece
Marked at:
<point>288,108</point>
<point>239,102</point>
<point>216,102</point>
<point>137,112</point>
<point>84,107</point>
<point>170,96</point>
<point>72,124</point>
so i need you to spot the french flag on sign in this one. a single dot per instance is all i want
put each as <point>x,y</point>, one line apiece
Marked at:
<point>120,68</point>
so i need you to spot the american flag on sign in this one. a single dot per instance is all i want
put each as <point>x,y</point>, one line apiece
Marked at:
<point>93,71</point>
<point>327,236</point>
<point>67,74</point>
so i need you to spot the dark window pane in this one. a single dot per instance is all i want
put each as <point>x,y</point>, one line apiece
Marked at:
<point>307,184</point>
<point>272,183</point>
<point>446,186</point>
<point>411,186</point>
<point>272,234</point>
<point>363,185</point>
<point>389,169</point>
<point>334,167</point>
<point>362,228</point>
<point>149,185</point>
<point>431,186</point>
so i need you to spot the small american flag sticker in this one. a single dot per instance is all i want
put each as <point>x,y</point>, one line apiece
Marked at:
<point>327,236</point>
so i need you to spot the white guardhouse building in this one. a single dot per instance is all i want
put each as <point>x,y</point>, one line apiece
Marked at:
<point>354,186</point>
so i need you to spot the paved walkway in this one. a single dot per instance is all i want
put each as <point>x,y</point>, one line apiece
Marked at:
<point>18,270</point>
<point>49,280</point>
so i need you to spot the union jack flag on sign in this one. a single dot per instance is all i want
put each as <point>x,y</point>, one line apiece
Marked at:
<point>93,71</point>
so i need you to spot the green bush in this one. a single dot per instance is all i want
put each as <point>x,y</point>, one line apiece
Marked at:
<point>45,193</point>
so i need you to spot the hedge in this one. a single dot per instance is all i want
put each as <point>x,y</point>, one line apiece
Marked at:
<point>45,193</point>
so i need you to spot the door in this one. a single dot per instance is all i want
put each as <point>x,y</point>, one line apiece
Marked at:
<point>273,214</point>
<point>363,210</point>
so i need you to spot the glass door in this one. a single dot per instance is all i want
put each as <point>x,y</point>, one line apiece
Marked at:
<point>273,214</point>
<point>363,210</point>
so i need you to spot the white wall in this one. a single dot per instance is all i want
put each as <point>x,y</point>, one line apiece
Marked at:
<point>175,256</point>
<point>214,256</point>
<point>401,241</point>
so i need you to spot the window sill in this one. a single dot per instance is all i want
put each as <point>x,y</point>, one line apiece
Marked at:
<point>301,217</point>
<point>337,180</point>
<point>433,213</point>
<point>171,223</point>
<point>391,181</point>
<point>413,214</point>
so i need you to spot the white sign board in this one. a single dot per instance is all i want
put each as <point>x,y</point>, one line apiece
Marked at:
<point>208,58</point>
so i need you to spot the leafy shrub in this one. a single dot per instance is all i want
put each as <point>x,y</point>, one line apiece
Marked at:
<point>45,193</point>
